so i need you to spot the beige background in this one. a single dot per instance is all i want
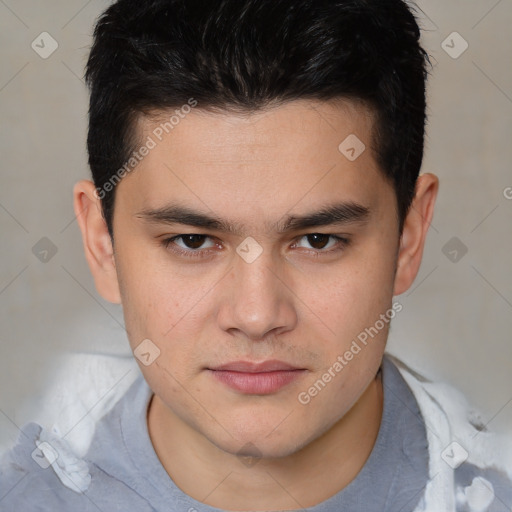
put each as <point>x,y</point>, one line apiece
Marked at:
<point>457,318</point>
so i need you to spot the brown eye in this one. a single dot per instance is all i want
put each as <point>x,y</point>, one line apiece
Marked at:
<point>320,243</point>
<point>318,240</point>
<point>193,241</point>
<point>190,245</point>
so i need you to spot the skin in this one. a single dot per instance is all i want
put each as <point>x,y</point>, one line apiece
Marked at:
<point>296,302</point>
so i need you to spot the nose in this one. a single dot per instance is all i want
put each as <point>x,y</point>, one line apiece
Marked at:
<point>256,300</point>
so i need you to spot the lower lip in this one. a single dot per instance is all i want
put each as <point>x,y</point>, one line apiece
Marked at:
<point>262,383</point>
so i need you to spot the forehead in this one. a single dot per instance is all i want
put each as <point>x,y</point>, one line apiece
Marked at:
<point>291,129</point>
<point>256,163</point>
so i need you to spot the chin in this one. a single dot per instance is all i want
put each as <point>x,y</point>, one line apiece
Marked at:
<point>259,444</point>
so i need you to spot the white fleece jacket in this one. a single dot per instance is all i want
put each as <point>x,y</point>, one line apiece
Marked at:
<point>455,434</point>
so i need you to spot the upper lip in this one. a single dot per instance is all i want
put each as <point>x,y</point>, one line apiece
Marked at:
<point>252,367</point>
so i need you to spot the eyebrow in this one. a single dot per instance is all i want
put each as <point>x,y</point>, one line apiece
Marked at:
<point>335,214</point>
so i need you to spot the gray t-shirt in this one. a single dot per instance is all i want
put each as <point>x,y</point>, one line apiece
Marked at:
<point>126,474</point>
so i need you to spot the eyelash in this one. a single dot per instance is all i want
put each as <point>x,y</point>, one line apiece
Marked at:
<point>199,253</point>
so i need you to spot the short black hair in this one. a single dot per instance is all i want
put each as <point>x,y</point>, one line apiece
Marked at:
<point>244,55</point>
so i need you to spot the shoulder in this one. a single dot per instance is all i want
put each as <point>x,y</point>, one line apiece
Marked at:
<point>488,489</point>
<point>41,473</point>
<point>469,465</point>
<point>28,478</point>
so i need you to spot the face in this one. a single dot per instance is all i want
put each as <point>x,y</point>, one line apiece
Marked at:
<point>248,240</point>
<point>263,290</point>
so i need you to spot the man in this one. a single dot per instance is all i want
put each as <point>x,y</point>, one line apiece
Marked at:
<point>256,206</point>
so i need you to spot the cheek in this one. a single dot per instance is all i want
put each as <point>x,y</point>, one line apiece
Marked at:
<point>149,307</point>
<point>167,309</point>
<point>354,293</point>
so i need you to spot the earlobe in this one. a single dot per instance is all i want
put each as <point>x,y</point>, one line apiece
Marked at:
<point>96,240</point>
<point>415,231</point>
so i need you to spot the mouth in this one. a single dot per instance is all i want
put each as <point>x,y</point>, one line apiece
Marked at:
<point>256,378</point>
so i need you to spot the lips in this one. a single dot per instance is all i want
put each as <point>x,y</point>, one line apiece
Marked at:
<point>256,378</point>
<point>250,367</point>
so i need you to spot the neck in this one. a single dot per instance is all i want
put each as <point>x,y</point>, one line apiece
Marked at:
<point>304,479</point>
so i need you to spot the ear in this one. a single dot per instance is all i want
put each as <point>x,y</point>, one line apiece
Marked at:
<point>96,239</point>
<point>415,230</point>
